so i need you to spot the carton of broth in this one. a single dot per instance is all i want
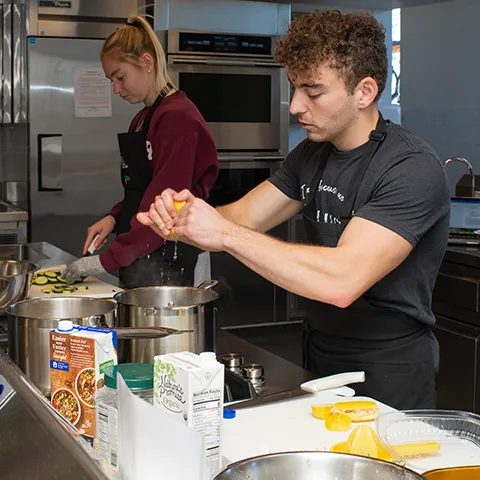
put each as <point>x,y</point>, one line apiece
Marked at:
<point>78,358</point>
<point>190,388</point>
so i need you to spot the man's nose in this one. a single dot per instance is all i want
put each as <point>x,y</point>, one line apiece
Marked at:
<point>297,106</point>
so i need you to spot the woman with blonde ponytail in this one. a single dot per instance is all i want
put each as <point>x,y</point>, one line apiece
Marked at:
<point>168,145</point>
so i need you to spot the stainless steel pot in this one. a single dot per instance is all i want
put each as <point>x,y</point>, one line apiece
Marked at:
<point>315,466</point>
<point>15,281</point>
<point>183,308</point>
<point>30,323</point>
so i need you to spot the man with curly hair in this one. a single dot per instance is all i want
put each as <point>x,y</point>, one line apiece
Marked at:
<point>375,202</point>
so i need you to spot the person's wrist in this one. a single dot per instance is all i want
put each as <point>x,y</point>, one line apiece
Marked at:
<point>229,233</point>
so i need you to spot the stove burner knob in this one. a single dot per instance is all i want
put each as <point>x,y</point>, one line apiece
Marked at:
<point>255,373</point>
<point>233,361</point>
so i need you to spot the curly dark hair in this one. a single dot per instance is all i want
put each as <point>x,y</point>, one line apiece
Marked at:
<point>352,43</point>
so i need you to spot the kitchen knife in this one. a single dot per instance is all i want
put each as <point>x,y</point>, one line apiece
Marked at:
<point>91,249</point>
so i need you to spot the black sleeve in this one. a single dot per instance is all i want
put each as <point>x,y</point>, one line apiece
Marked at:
<point>410,197</point>
<point>287,179</point>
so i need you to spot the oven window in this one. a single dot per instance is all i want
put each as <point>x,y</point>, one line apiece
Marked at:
<point>229,98</point>
<point>233,184</point>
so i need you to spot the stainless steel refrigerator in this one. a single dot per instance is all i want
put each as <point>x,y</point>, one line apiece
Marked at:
<point>59,154</point>
<point>74,162</point>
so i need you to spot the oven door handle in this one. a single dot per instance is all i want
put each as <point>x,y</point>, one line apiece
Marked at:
<point>227,63</point>
<point>243,63</point>
<point>199,61</point>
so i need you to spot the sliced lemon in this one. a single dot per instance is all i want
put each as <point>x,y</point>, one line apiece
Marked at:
<point>321,411</point>
<point>338,422</point>
<point>178,206</point>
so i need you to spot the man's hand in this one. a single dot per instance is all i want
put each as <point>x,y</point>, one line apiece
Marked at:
<point>197,223</point>
<point>162,216</point>
<point>103,228</point>
<point>84,267</point>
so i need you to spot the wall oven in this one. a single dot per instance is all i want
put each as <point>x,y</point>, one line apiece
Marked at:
<point>238,87</point>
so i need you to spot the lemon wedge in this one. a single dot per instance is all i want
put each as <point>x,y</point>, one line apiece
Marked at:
<point>178,207</point>
<point>338,422</point>
<point>321,411</point>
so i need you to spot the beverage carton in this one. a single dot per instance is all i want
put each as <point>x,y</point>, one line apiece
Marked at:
<point>190,388</point>
<point>78,358</point>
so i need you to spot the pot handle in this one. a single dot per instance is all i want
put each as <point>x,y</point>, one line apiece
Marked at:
<point>97,321</point>
<point>150,311</point>
<point>135,333</point>
<point>208,284</point>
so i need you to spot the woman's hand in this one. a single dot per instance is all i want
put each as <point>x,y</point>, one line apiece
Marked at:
<point>103,228</point>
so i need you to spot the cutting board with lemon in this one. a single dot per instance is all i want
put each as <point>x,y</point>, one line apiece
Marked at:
<point>49,282</point>
<point>292,425</point>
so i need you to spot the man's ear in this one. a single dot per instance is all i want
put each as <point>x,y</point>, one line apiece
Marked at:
<point>366,92</point>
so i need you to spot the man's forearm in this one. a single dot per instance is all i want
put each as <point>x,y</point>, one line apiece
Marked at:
<point>311,271</point>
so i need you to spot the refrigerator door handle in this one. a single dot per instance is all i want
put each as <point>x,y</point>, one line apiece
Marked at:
<point>50,162</point>
<point>6,67</point>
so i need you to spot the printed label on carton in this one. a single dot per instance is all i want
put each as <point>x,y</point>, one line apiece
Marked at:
<point>77,363</point>
<point>192,390</point>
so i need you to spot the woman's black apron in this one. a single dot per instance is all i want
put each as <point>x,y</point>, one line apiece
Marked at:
<point>173,263</point>
<point>394,350</point>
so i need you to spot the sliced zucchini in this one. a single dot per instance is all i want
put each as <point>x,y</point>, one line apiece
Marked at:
<point>61,279</point>
<point>57,290</point>
<point>40,281</point>
<point>46,290</point>
<point>52,279</point>
<point>51,274</point>
<point>82,287</point>
<point>67,289</point>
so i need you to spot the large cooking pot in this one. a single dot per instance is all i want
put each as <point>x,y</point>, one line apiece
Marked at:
<point>315,466</point>
<point>183,308</point>
<point>30,323</point>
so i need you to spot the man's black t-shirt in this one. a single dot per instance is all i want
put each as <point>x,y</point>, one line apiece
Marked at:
<point>405,189</point>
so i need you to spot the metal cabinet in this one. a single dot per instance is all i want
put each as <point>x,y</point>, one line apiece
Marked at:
<point>458,381</point>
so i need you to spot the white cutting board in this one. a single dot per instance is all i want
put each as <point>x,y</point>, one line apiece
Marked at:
<point>281,427</point>
<point>96,288</point>
<point>290,426</point>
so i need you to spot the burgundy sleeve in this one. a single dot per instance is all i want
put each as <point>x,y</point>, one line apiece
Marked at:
<point>174,164</point>
<point>116,209</point>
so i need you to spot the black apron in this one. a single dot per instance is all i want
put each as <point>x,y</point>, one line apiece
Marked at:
<point>173,263</point>
<point>395,351</point>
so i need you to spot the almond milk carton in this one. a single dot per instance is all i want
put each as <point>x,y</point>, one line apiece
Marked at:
<point>190,388</point>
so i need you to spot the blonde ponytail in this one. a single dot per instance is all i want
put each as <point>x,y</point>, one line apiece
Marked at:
<point>129,42</point>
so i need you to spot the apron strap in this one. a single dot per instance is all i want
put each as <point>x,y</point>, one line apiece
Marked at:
<point>158,101</point>
<point>376,138</point>
<point>148,117</point>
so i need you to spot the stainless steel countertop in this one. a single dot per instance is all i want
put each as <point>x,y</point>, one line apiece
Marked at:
<point>11,213</point>
<point>34,442</point>
<point>48,256</point>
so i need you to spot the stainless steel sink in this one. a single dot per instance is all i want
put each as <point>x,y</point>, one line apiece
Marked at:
<point>20,252</point>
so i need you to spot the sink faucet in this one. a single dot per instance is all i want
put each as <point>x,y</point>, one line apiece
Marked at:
<point>468,165</point>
